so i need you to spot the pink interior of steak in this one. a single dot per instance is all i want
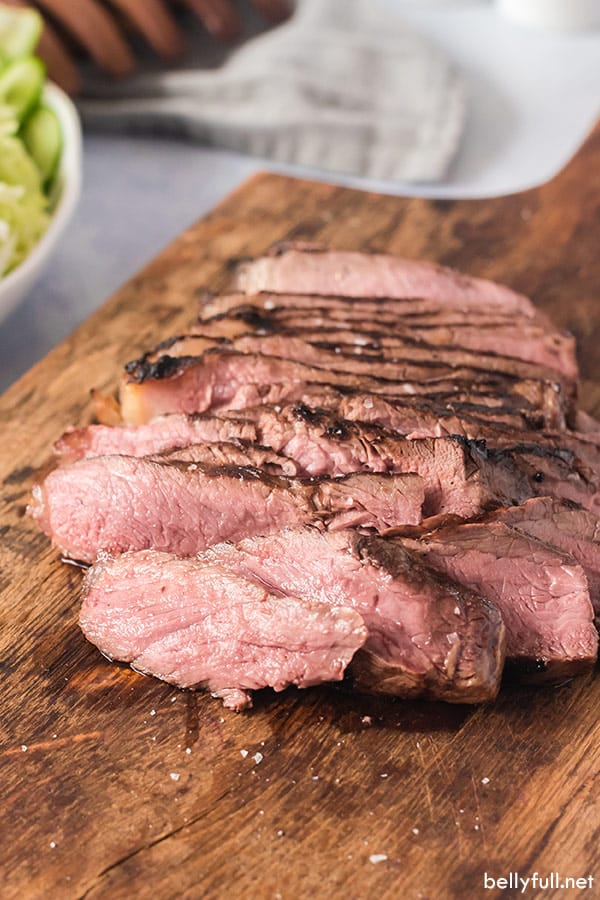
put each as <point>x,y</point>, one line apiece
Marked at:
<point>120,503</point>
<point>195,625</point>
<point>427,636</point>
<point>542,594</point>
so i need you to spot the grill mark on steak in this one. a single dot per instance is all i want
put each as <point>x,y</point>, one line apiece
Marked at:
<point>120,503</point>
<point>522,340</point>
<point>427,636</point>
<point>541,593</point>
<point>233,453</point>
<point>225,379</point>
<point>401,361</point>
<point>167,617</point>
<point>459,476</point>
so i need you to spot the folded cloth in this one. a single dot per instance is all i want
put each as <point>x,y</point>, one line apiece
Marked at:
<point>341,87</point>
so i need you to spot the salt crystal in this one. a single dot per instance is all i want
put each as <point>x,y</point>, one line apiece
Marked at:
<point>315,778</point>
<point>52,845</point>
<point>244,753</point>
<point>377,857</point>
<point>54,735</point>
<point>269,304</point>
<point>415,831</point>
<point>485,780</point>
<point>152,712</point>
<point>337,349</point>
<point>384,775</point>
<point>461,810</point>
<point>174,776</point>
<point>258,758</point>
<point>173,699</point>
<point>367,720</point>
<point>476,827</point>
<point>280,833</point>
<point>188,750</point>
<point>23,747</point>
<point>277,408</point>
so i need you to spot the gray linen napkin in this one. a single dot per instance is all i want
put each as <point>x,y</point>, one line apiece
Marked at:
<point>342,87</point>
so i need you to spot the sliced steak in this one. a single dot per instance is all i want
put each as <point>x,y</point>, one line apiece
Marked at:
<point>334,272</point>
<point>119,503</point>
<point>563,525</point>
<point>457,474</point>
<point>233,453</point>
<point>177,431</point>
<point>223,379</point>
<point>408,361</point>
<point>541,593</point>
<point>252,312</point>
<point>553,472</point>
<point>195,625</point>
<point>427,636</point>
<point>523,339</point>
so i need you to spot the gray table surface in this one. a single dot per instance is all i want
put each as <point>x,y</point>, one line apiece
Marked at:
<point>531,97</point>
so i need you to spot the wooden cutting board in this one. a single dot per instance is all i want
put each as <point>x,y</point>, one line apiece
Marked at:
<point>115,785</point>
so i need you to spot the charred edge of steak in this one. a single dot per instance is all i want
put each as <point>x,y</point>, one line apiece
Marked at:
<point>565,456</point>
<point>543,671</point>
<point>466,685</point>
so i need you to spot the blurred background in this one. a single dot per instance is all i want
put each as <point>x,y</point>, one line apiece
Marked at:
<point>181,101</point>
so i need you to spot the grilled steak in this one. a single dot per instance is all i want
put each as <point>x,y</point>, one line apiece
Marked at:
<point>457,475</point>
<point>523,340</point>
<point>394,360</point>
<point>221,379</point>
<point>119,503</point>
<point>566,526</point>
<point>232,453</point>
<point>332,272</point>
<point>427,636</point>
<point>541,593</point>
<point>365,308</point>
<point>177,431</point>
<point>196,625</point>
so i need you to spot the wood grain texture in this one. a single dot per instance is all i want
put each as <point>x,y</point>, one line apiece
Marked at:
<point>115,785</point>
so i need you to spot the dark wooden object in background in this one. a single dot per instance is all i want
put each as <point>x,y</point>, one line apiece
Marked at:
<point>117,785</point>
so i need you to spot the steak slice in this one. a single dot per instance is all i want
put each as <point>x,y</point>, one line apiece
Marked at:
<point>563,525</point>
<point>392,310</point>
<point>223,379</point>
<point>427,637</point>
<point>457,474</point>
<point>177,431</point>
<point>260,310</point>
<point>335,272</point>
<point>197,625</point>
<point>119,503</point>
<point>401,361</point>
<point>541,593</point>
<point>523,339</point>
<point>233,453</point>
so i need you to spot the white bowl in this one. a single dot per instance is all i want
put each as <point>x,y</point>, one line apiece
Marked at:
<point>15,286</point>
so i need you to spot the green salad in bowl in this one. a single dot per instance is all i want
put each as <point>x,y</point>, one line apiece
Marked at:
<point>40,158</point>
